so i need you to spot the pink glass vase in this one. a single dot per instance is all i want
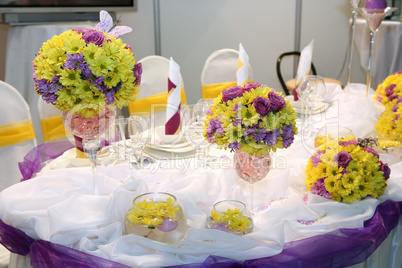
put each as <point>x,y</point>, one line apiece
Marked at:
<point>251,168</point>
<point>87,132</point>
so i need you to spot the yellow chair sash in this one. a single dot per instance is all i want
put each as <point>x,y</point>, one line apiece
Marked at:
<point>16,132</point>
<point>53,128</point>
<point>213,90</point>
<point>145,104</point>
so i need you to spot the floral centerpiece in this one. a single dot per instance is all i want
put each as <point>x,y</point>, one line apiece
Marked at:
<point>158,216</point>
<point>86,67</point>
<point>389,89</point>
<point>346,170</point>
<point>86,73</point>
<point>250,118</point>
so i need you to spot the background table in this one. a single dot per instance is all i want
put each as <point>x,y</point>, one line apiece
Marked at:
<point>387,56</point>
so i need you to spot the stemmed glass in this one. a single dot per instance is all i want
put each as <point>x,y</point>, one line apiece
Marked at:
<point>139,130</point>
<point>374,17</point>
<point>355,5</point>
<point>311,90</point>
<point>194,128</point>
<point>92,148</point>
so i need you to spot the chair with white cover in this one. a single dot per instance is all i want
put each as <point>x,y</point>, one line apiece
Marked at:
<point>154,89</point>
<point>219,72</point>
<point>51,122</point>
<point>17,138</point>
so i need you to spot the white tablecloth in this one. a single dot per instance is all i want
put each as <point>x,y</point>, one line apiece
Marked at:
<point>387,56</point>
<point>59,206</point>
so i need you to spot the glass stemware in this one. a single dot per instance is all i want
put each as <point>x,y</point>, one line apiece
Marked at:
<point>355,5</point>
<point>139,130</point>
<point>91,149</point>
<point>194,129</point>
<point>374,17</point>
<point>251,168</point>
<point>311,90</point>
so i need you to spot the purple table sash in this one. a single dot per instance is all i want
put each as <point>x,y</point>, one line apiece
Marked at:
<point>339,248</point>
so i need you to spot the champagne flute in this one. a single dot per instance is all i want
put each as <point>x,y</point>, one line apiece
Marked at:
<point>139,130</point>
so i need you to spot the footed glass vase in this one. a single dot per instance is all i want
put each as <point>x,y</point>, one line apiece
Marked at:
<point>251,168</point>
<point>158,216</point>
<point>87,132</point>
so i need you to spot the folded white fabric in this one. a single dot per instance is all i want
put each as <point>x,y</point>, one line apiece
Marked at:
<point>242,69</point>
<point>305,59</point>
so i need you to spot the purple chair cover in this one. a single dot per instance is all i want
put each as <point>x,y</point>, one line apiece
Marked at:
<point>339,248</point>
<point>36,159</point>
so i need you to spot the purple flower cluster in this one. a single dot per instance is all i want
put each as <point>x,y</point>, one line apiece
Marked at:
<point>47,90</point>
<point>319,189</point>
<point>385,168</point>
<point>137,72</point>
<point>347,143</point>
<point>316,158</point>
<point>343,158</point>
<point>232,93</point>
<point>92,36</point>
<point>274,103</point>
<point>372,151</point>
<point>214,127</point>
<point>287,135</point>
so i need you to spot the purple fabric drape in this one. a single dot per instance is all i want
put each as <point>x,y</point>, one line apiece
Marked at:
<point>339,248</point>
<point>37,158</point>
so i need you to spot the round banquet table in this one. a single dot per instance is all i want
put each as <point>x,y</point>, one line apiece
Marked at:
<point>52,218</point>
<point>387,56</point>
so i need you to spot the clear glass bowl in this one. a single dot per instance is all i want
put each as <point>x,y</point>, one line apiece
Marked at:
<point>158,216</point>
<point>332,133</point>
<point>230,216</point>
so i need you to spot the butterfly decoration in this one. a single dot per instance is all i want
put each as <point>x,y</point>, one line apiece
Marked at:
<point>106,25</point>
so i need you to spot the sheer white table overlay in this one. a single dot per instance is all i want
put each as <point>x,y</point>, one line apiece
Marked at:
<point>58,205</point>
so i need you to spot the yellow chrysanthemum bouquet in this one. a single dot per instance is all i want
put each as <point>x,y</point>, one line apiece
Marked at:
<point>346,170</point>
<point>82,71</point>
<point>389,89</point>
<point>250,118</point>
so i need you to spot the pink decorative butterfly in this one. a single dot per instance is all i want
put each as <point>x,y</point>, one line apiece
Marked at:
<point>106,25</point>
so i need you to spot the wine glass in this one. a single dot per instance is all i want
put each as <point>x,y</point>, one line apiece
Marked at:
<point>139,130</point>
<point>194,129</point>
<point>311,90</point>
<point>374,17</point>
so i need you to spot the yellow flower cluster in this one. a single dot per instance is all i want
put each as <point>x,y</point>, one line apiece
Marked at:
<point>233,218</point>
<point>390,121</point>
<point>236,124</point>
<point>152,213</point>
<point>83,77</point>
<point>345,172</point>
<point>389,89</point>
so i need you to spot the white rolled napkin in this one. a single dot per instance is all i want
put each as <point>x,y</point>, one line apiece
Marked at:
<point>172,126</point>
<point>242,69</point>
<point>306,57</point>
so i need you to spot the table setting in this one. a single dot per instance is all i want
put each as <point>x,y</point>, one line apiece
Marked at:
<point>249,178</point>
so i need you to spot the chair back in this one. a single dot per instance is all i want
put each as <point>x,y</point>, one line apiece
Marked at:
<point>286,85</point>
<point>154,89</point>
<point>52,123</point>
<point>219,72</point>
<point>17,135</point>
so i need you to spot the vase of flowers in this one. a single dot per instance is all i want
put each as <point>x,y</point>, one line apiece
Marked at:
<point>230,216</point>
<point>252,121</point>
<point>347,170</point>
<point>86,73</point>
<point>158,216</point>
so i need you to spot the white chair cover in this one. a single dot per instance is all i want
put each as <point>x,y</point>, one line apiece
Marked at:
<point>221,66</point>
<point>154,80</point>
<point>50,118</point>
<point>13,109</point>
